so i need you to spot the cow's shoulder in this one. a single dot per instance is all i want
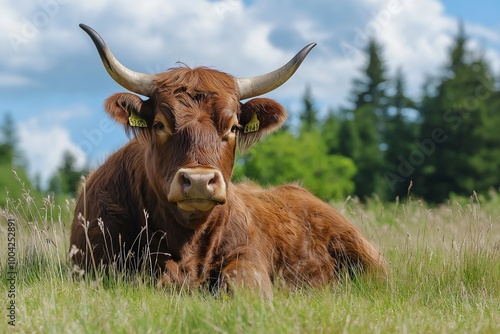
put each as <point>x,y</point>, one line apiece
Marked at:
<point>113,190</point>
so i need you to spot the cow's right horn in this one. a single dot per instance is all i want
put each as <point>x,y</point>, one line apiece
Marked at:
<point>250,87</point>
<point>140,83</point>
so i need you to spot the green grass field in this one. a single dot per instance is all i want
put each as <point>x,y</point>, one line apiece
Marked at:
<point>445,278</point>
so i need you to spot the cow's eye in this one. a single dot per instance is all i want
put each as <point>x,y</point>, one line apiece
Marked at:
<point>232,132</point>
<point>235,128</point>
<point>159,126</point>
<point>162,131</point>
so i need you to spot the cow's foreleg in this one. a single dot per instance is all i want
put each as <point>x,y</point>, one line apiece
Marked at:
<point>247,275</point>
<point>178,275</point>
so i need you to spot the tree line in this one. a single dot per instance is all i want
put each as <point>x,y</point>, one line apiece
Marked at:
<point>14,180</point>
<point>385,144</point>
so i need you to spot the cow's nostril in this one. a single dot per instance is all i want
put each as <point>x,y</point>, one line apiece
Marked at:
<point>186,182</point>
<point>213,180</point>
<point>198,184</point>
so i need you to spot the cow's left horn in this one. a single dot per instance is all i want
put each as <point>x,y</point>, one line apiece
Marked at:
<point>140,83</point>
<point>250,87</point>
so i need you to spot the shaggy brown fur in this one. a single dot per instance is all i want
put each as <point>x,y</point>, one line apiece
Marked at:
<point>250,238</point>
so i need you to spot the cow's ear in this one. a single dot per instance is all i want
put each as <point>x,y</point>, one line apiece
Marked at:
<point>127,109</point>
<point>258,117</point>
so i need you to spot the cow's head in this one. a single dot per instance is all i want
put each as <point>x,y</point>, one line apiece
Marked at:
<point>191,124</point>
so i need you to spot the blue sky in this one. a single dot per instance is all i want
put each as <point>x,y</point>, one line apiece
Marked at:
<point>483,12</point>
<point>53,84</point>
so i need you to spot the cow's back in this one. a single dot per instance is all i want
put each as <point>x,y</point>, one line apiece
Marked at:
<point>311,241</point>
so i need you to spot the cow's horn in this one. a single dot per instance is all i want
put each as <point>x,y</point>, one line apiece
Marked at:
<point>250,87</point>
<point>140,83</point>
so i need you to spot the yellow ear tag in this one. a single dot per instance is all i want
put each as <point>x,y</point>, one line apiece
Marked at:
<point>135,120</point>
<point>253,125</point>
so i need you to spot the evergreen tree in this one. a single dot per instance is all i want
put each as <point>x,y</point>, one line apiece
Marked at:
<point>8,140</point>
<point>448,143</point>
<point>13,177</point>
<point>371,88</point>
<point>311,157</point>
<point>349,141</point>
<point>67,178</point>
<point>463,111</point>
<point>486,161</point>
<point>399,138</point>
<point>365,125</point>
<point>330,128</point>
<point>37,182</point>
<point>309,115</point>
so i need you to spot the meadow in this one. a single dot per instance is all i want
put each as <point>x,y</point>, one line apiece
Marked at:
<point>444,278</point>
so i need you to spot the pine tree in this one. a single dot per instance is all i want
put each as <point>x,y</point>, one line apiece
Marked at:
<point>330,128</point>
<point>67,178</point>
<point>365,125</point>
<point>487,158</point>
<point>349,141</point>
<point>399,138</point>
<point>12,165</point>
<point>307,157</point>
<point>371,89</point>
<point>8,140</point>
<point>462,109</point>
<point>309,115</point>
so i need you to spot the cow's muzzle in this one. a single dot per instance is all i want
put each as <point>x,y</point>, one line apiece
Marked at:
<point>197,189</point>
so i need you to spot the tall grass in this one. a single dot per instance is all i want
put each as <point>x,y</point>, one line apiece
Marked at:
<point>444,278</point>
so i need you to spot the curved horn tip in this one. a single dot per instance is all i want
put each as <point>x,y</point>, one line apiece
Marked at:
<point>96,38</point>
<point>84,26</point>
<point>310,45</point>
<point>140,83</point>
<point>301,55</point>
<point>251,87</point>
<point>88,29</point>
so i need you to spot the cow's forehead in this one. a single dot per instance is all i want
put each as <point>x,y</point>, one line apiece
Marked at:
<point>198,96</point>
<point>196,82</point>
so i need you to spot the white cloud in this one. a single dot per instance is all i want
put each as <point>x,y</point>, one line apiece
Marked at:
<point>229,35</point>
<point>11,80</point>
<point>44,145</point>
<point>482,32</point>
<point>417,39</point>
<point>493,57</point>
<point>243,39</point>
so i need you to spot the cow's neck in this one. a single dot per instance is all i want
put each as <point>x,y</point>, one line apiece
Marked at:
<point>179,236</point>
